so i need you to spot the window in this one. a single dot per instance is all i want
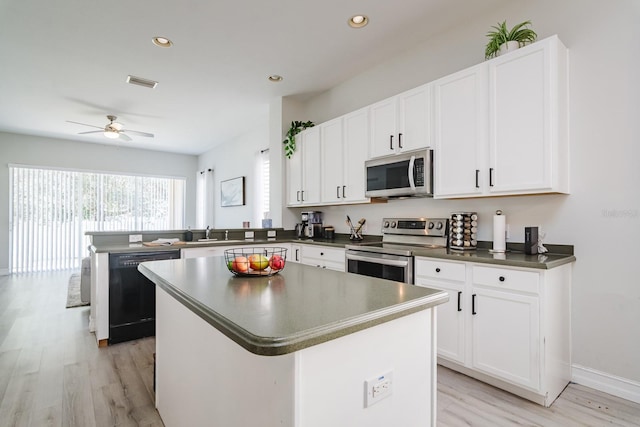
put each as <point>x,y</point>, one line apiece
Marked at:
<point>52,209</point>
<point>264,177</point>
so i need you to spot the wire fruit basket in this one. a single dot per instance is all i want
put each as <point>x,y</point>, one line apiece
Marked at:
<point>255,261</point>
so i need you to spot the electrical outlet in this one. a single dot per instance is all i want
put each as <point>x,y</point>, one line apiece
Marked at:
<point>271,233</point>
<point>248,234</point>
<point>135,238</point>
<point>378,388</point>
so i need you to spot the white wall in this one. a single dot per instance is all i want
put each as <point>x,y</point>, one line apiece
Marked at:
<point>233,159</point>
<point>601,217</point>
<point>40,151</point>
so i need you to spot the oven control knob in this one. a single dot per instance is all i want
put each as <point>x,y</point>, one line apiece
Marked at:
<point>386,224</point>
<point>431,225</point>
<point>439,225</point>
<point>393,224</point>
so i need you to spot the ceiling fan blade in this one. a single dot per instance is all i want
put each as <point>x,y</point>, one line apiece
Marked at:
<point>84,124</point>
<point>123,137</point>
<point>137,132</point>
<point>91,131</point>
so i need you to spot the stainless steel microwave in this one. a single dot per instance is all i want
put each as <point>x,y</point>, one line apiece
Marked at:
<point>408,174</point>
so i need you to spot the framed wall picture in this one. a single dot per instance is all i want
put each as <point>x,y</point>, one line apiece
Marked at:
<point>232,192</point>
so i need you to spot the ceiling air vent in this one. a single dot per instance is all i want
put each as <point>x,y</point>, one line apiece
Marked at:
<point>142,82</point>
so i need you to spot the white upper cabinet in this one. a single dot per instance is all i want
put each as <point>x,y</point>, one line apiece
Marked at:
<point>303,169</point>
<point>528,119</point>
<point>500,128</point>
<point>344,147</point>
<point>401,123</point>
<point>460,122</point>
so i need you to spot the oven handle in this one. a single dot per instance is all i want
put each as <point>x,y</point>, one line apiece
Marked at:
<point>383,261</point>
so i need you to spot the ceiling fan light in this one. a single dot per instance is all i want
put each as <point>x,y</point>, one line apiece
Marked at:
<point>111,134</point>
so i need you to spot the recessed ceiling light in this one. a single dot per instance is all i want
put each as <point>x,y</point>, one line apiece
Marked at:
<point>162,41</point>
<point>275,78</point>
<point>358,21</point>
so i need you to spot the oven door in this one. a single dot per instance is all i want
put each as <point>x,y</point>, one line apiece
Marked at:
<point>383,266</point>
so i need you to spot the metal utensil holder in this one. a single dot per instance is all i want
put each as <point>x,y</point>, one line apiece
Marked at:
<point>463,231</point>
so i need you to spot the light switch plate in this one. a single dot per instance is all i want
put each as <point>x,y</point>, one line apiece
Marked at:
<point>135,238</point>
<point>271,233</point>
<point>248,234</point>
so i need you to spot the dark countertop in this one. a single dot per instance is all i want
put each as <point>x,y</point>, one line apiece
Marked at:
<point>509,258</point>
<point>558,255</point>
<point>297,308</point>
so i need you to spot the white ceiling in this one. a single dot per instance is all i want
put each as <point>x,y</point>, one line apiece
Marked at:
<point>69,60</point>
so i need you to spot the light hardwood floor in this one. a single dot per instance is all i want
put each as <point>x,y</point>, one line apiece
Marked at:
<point>53,374</point>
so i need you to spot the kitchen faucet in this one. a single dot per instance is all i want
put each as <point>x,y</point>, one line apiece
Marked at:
<point>206,233</point>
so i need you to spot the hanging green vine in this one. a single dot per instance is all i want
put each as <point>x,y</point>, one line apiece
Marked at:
<point>290,139</point>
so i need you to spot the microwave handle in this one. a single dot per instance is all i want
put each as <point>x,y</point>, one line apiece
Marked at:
<point>412,162</point>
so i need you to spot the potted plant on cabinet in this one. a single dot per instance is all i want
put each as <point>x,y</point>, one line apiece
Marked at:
<point>502,40</point>
<point>290,139</point>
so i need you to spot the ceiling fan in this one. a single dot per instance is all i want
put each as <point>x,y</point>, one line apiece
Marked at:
<point>113,130</point>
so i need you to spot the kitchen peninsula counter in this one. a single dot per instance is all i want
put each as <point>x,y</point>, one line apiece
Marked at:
<point>294,349</point>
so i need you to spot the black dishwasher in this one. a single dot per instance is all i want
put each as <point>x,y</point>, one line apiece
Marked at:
<point>132,297</point>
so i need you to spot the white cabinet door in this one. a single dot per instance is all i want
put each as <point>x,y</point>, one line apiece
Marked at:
<point>333,161</point>
<point>344,147</point>
<point>295,255</point>
<point>311,166</point>
<point>401,123</point>
<point>206,251</point>
<point>451,320</point>
<point>452,315</point>
<point>414,119</point>
<point>460,133</point>
<point>303,169</point>
<point>527,138</point>
<point>383,127</point>
<point>294,177</point>
<point>506,331</point>
<point>356,151</point>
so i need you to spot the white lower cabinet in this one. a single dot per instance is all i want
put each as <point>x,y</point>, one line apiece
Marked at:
<point>323,257</point>
<point>507,326</point>
<point>450,277</point>
<point>295,254</point>
<point>207,251</point>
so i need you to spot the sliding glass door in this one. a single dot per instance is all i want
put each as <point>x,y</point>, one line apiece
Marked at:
<point>52,209</point>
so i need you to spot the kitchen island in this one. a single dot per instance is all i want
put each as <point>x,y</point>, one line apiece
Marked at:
<point>305,347</point>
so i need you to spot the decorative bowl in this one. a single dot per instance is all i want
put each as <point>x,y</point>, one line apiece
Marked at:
<point>255,261</point>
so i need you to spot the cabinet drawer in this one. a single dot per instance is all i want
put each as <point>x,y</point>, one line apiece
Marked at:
<point>517,280</point>
<point>323,253</point>
<point>438,269</point>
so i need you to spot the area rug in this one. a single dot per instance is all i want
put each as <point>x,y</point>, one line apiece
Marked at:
<point>73,292</point>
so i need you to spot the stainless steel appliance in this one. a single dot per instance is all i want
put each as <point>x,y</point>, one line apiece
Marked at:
<point>409,174</point>
<point>312,221</point>
<point>393,257</point>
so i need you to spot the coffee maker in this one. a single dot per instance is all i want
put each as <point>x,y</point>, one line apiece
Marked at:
<point>310,225</point>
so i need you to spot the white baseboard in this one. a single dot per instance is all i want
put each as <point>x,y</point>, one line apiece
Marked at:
<point>611,384</point>
<point>4,272</point>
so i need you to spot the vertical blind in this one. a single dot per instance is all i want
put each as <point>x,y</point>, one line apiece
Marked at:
<point>264,176</point>
<point>52,209</point>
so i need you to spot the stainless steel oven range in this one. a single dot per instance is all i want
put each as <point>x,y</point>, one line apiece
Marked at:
<point>393,257</point>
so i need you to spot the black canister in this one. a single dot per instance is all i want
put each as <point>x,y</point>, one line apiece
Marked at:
<point>188,236</point>
<point>329,233</point>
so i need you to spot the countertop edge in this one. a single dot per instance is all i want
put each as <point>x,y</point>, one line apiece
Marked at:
<point>541,265</point>
<point>271,346</point>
